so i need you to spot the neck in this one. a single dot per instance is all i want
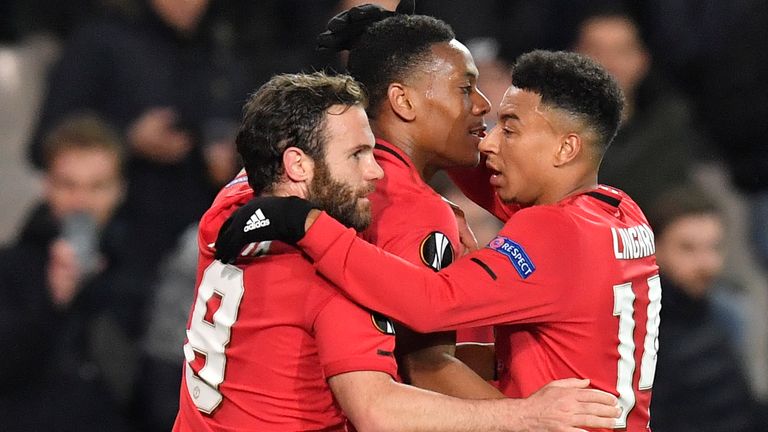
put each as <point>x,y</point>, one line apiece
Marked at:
<point>586,183</point>
<point>287,189</point>
<point>421,160</point>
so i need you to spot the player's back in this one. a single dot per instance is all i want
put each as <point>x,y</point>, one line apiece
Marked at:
<point>604,332</point>
<point>258,351</point>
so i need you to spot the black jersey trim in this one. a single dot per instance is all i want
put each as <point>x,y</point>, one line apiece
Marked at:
<point>392,152</point>
<point>485,267</point>
<point>605,198</point>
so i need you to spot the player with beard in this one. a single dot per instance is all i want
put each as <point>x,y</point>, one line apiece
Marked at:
<point>427,115</point>
<point>570,283</point>
<point>271,345</point>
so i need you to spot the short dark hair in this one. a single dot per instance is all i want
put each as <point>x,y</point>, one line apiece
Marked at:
<point>678,202</point>
<point>576,84</point>
<point>290,110</point>
<point>81,131</point>
<point>388,51</point>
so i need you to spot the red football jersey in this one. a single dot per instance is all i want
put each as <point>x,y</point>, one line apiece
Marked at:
<point>264,336</point>
<point>414,222</point>
<point>573,289</point>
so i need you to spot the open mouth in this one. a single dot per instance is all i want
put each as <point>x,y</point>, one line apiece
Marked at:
<point>492,170</point>
<point>478,131</point>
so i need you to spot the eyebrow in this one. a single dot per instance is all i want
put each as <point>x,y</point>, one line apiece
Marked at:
<point>512,116</point>
<point>361,147</point>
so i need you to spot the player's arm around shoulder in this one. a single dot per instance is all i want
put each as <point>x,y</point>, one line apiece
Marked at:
<point>374,402</point>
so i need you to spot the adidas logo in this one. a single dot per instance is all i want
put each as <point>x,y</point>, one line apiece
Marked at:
<point>257,220</point>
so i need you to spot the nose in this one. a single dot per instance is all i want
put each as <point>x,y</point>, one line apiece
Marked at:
<point>373,170</point>
<point>481,104</point>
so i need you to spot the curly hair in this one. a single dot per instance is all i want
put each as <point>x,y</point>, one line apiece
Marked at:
<point>290,110</point>
<point>576,84</point>
<point>389,50</point>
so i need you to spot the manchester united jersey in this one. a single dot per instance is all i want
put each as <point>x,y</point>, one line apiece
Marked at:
<point>413,221</point>
<point>572,287</point>
<point>410,219</point>
<point>264,336</point>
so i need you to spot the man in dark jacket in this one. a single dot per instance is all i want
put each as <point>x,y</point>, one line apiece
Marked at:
<point>173,89</point>
<point>699,383</point>
<point>64,302</point>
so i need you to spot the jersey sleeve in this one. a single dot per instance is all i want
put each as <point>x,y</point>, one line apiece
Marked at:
<point>428,238</point>
<point>519,278</point>
<point>351,339</point>
<point>474,183</point>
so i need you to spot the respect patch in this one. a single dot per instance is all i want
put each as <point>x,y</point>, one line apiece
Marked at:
<point>516,255</point>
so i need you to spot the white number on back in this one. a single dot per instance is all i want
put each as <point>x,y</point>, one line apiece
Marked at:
<point>624,308</point>
<point>215,311</point>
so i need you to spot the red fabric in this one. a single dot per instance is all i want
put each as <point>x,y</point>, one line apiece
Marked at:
<point>293,331</point>
<point>558,322</point>
<point>405,212</point>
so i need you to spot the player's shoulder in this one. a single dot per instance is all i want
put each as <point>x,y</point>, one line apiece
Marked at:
<point>411,216</point>
<point>551,216</point>
<point>231,197</point>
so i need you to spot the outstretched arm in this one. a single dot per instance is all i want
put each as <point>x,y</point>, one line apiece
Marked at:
<point>498,284</point>
<point>374,402</point>
<point>479,289</point>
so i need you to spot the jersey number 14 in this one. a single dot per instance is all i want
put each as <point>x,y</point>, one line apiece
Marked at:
<point>624,308</point>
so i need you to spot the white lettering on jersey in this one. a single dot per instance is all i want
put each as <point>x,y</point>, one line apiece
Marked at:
<point>633,242</point>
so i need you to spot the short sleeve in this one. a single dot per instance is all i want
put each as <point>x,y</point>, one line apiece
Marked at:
<point>351,339</point>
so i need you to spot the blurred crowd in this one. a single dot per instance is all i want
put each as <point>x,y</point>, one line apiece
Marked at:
<point>127,126</point>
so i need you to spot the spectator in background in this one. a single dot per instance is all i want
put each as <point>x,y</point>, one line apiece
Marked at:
<point>59,282</point>
<point>657,145</point>
<point>735,81</point>
<point>167,79</point>
<point>699,384</point>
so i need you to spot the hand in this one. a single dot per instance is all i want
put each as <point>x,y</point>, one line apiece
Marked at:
<point>261,219</point>
<point>565,405</point>
<point>64,273</point>
<point>155,136</point>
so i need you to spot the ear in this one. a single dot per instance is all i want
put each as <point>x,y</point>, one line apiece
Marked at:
<point>297,165</point>
<point>400,102</point>
<point>571,145</point>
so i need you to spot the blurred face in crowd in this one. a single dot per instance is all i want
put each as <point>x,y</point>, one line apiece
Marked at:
<point>615,43</point>
<point>449,106</point>
<point>182,15</point>
<point>347,175</point>
<point>690,252</point>
<point>84,180</point>
<point>349,4</point>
